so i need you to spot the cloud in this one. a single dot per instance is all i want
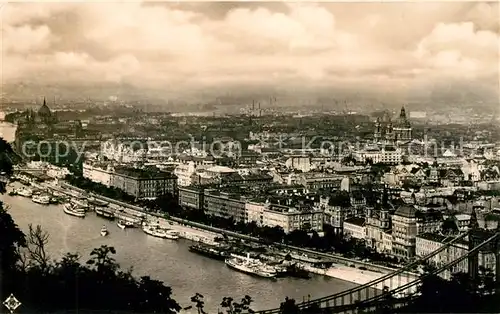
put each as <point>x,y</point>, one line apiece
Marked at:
<point>305,44</point>
<point>25,39</point>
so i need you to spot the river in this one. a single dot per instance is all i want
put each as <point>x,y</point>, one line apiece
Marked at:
<point>170,261</point>
<point>7,130</point>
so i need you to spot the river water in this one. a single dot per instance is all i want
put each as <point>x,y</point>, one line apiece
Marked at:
<point>170,261</point>
<point>7,130</point>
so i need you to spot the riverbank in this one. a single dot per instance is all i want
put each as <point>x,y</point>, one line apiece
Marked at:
<point>169,261</point>
<point>343,269</point>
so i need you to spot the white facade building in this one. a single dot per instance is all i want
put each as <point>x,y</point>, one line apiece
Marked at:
<point>184,173</point>
<point>290,218</point>
<point>355,228</point>
<point>386,154</point>
<point>255,212</point>
<point>98,173</point>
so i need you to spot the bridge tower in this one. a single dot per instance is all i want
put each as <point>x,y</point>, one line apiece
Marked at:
<point>474,240</point>
<point>497,259</point>
<point>476,237</point>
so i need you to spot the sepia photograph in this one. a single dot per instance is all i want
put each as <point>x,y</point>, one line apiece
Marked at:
<point>237,157</point>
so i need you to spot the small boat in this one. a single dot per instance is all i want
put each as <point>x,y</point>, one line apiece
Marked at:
<point>41,199</point>
<point>104,231</point>
<point>172,234</point>
<point>122,224</point>
<point>73,210</point>
<point>24,192</point>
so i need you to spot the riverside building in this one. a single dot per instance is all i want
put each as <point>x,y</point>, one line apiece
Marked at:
<point>144,184</point>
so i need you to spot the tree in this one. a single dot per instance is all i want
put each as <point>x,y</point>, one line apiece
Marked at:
<point>34,254</point>
<point>232,307</point>
<point>157,297</point>
<point>289,307</point>
<point>101,259</point>
<point>11,239</point>
<point>197,299</point>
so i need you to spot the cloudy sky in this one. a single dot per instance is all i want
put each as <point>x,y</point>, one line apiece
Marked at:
<point>388,47</point>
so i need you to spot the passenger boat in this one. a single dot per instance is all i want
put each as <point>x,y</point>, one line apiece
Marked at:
<point>157,231</point>
<point>80,203</point>
<point>210,251</point>
<point>251,266</point>
<point>24,192</point>
<point>104,231</point>
<point>72,210</point>
<point>101,212</point>
<point>41,199</point>
<point>122,224</point>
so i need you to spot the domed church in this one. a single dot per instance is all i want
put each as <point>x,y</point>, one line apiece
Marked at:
<point>399,132</point>
<point>43,116</point>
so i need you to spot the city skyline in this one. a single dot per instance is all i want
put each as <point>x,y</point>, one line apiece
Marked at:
<point>385,49</point>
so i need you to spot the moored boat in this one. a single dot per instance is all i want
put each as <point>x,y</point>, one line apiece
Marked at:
<point>41,199</point>
<point>251,266</point>
<point>291,270</point>
<point>101,212</point>
<point>122,224</point>
<point>210,251</point>
<point>80,203</point>
<point>172,234</point>
<point>104,231</point>
<point>72,210</point>
<point>157,231</point>
<point>24,192</point>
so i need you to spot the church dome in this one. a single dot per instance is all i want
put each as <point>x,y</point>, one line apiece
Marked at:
<point>44,110</point>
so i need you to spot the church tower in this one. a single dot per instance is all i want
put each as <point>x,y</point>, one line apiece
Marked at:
<point>402,129</point>
<point>389,134</point>
<point>377,135</point>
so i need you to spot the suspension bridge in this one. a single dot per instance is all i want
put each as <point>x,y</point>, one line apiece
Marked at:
<point>399,284</point>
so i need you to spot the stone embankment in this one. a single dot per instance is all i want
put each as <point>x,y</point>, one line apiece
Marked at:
<point>344,268</point>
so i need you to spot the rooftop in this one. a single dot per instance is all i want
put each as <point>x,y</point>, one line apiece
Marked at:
<point>462,217</point>
<point>220,169</point>
<point>406,211</point>
<point>358,221</point>
<point>439,238</point>
<point>143,174</point>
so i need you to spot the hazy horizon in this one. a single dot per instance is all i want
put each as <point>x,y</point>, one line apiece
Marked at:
<point>388,52</point>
